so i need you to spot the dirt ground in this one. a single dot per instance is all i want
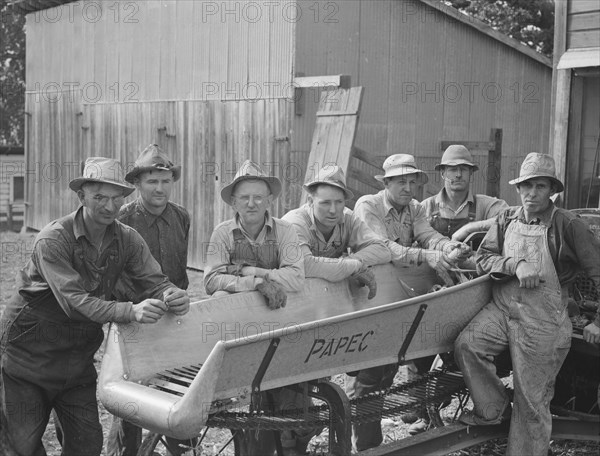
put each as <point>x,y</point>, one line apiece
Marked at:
<point>15,251</point>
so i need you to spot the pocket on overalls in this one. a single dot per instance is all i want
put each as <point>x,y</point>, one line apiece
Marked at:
<point>542,339</point>
<point>23,328</point>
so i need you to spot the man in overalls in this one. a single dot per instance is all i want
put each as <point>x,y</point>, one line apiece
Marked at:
<point>327,229</point>
<point>52,326</point>
<point>395,215</point>
<point>255,251</point>
<point>534,251</point>
<point>165,227</point>
<point>455,211</point>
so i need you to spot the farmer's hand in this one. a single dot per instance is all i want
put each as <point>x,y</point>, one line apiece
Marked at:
<point>273,293</point>
<point>366,278</point>
<point>177,301</point>
<point>528,275</point>
<point>149,310</point>
<point>591,333</point>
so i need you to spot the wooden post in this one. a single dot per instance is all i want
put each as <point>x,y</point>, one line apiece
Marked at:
<point>561,91</point>
<point>495,163</point>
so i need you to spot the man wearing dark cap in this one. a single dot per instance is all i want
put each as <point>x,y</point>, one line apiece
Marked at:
<point>455,211</point>
<point>165,227</point>
<point>533,251</point>
<point>255,251</point>
<point>52,326</point>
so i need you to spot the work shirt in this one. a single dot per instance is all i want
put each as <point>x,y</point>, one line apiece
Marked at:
<point>219,252</point>
<point>573,246</point>
<point>486,207</point>
<point>401,229</point>
<point>166,234</point>
<point>351,233</point>
<point>81,278</point>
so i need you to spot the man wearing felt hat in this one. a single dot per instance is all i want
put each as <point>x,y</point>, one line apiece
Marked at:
<point>327,229</point>
<point>534,251</point>
<point>455,211</point>
<point>165,227</point>
<point>395,215</point>
<point>255,251</point>
<point>52,326</point>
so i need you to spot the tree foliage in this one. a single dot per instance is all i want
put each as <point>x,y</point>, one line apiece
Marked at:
<point>12,76</point>
<point>529,21</point>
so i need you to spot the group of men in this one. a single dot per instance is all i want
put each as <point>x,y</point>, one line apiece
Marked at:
<point>109,262</point>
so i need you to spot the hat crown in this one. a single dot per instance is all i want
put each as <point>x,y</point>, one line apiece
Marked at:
<point>457,155</point>
<point>153,156</point>
<point>102,168</point>
<point>251,169</point>
<point>538,165</point>
<point>399,161</point>
<point>330,175</point>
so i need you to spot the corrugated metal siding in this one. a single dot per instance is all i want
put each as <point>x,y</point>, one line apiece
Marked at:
<point>437,78</point>
<point>583,24</point>
<point>209,140</point>
<point>162,50</point>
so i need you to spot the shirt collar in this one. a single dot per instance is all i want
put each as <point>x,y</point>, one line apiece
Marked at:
<point>442,199</point>
<point>545,218</point>
<point>237,225</point>
<point>79,229</point>
<point>150,217</point>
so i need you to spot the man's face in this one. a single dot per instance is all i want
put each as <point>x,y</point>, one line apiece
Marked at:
<point>155,188</point>
<point>402,189</point>
<point>535,195</point>
<point>251,199</point>
<point>457,178</point>
<point>101,202</point>
<point>328,203</point>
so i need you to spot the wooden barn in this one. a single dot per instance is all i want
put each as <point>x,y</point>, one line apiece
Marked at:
<point>576,100</point>
<point>215,83</point>
<point>12,187</point>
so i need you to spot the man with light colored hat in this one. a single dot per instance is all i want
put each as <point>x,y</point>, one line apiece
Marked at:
<point>52,326</point>
<point>165,227</point>
<point>395,215</point>
<point>534,252</point>
<point>455,211</point>
<point>327,229</point>
<point>255,251</point>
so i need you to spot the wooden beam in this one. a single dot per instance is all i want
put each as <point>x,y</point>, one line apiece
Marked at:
<point>574,174</point>
<point>494,171</point>
<point>339,80</point>
<point>560,128</point>
<point>560,46</point>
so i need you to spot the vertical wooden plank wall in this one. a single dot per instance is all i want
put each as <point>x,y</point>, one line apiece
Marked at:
<point>211,86</point>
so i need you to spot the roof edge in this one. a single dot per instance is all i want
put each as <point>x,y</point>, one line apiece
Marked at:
<point>31,6</point>
<point>488,30</point>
